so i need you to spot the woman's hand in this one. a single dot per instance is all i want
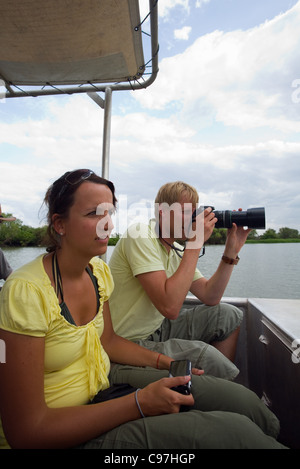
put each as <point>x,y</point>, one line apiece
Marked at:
<point>197,371</point>
<point>158,398</point>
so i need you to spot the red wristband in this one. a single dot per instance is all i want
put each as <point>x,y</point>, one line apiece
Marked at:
<point>158,360</point>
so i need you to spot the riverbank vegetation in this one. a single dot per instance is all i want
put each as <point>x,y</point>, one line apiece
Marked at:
<point>284,235</point>
<point>16,234</point>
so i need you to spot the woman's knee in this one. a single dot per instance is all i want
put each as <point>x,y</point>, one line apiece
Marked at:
<point>227,430</point>
<point>230,318</point>
<point>212,394</point>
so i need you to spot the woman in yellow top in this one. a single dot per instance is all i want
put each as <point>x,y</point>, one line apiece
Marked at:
<point>59,342</point>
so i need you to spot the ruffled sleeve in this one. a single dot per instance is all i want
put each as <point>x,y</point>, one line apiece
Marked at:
<point>22,308</point>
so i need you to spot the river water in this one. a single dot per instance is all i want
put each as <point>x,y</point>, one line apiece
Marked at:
<point>264,270</point>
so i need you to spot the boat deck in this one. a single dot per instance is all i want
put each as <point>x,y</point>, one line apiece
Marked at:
<point>268,357</point>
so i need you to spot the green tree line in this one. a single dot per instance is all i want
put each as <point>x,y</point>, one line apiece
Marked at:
<point>284,234</point>
<point>17,234</point>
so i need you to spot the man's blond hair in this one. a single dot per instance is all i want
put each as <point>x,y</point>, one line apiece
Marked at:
<point>171,192</point>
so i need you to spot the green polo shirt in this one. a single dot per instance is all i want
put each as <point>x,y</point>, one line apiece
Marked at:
<point>138,251</point>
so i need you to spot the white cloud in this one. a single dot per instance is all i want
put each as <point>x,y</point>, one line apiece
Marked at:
<point>165,6</point>
<point>146,151</point>
<point>200,3</point>
<point>243,77</point>
<point>183,33</point>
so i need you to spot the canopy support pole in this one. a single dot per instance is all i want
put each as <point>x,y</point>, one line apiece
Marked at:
<point>105,104</point>
<point>106,132</point>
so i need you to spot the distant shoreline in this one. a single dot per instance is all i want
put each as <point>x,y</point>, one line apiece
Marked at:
<point>273,240</point>
<point>113,241</point>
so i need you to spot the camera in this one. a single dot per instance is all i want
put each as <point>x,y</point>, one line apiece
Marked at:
<point>181,368</point>
<point>252,218</point>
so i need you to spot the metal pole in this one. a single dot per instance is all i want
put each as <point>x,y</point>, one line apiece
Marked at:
<point>105,104</point>
<point>106,132</point>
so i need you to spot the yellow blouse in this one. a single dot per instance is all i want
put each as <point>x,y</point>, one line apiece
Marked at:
<point>76,365</point>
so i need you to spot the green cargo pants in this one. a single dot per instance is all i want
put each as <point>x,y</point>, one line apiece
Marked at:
<point>225,415</point>
<point>189,336</point>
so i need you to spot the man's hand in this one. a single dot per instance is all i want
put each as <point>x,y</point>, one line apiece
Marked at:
<point>209,223</point>
<point>236,238</point>
<point>202,227</point>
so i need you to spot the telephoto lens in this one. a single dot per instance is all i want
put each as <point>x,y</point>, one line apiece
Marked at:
<point>252,218</point>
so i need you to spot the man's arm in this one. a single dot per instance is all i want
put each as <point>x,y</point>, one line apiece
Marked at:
<point>168,294</point>
<point>210,291</point>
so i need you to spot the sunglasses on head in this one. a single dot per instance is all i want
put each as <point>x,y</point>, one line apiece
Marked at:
<point>73,178</point>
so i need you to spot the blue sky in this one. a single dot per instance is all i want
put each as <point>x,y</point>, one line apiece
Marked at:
<point>222,115</point>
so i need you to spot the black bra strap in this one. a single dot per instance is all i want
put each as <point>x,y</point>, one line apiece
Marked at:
<point>95,283</point>
<point>57,278</point>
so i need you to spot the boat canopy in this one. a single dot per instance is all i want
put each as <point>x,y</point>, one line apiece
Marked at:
<point>74,46</point>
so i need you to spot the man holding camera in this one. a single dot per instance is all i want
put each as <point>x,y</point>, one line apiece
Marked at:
<point>153,274</point>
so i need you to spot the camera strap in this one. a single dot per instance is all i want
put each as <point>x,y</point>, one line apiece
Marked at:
<point>177,250</point>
